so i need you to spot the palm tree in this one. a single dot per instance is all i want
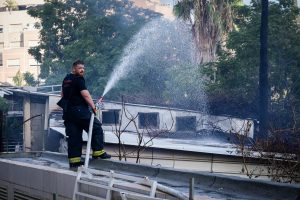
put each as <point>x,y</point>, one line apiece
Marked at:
<point>18,79</point>
<point>211,21</point>
<point>11,5</point>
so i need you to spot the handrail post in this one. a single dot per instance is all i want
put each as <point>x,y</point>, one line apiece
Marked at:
<point>191,191</point>
<point>88,148</point>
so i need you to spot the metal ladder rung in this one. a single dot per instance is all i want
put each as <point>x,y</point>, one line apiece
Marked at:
<point>91,183</point>
<point>118,176</point>
<point>89,196</point>
<point>89,173</point>
<point>114,189</point>
<point>138,197</point>
<point>153,189</point>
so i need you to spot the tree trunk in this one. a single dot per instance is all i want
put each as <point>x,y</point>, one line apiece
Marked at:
<point>209,27</point>
<point>203,32</point>
<point>263,73</point>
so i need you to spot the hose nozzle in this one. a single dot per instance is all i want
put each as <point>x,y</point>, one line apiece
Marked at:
<point>99,103</point>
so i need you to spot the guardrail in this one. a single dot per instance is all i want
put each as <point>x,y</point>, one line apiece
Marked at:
<point>52,89</point>
<point>12,145</point>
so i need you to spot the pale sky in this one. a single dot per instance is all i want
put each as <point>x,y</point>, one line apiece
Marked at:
<point>247,1</point>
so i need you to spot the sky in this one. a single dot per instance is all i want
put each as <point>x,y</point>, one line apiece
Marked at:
<point>247,1</point>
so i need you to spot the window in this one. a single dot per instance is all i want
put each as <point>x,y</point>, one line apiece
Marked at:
<point>110,117</point>
<point>22,7</point>
<point>187,123</point>
<point>32,26</point>
<point>1,28</point>
<point>1,45</point>
<point>15,28</point>
<point>33,63</point>
<point>13,63</point>
<point>148,120</point>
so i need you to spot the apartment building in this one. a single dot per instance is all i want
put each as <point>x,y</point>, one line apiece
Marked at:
<point>17,35</point>
<point>164,7</point>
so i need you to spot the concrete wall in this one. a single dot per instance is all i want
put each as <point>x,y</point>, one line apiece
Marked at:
<point>35,182</point>
<point>234,187</point>
<point>37,108</point>
<point>193,161</point>
<point>24,2</point>
<point>43,182</point>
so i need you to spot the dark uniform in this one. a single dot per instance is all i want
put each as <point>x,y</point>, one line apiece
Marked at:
<point>77,118</point>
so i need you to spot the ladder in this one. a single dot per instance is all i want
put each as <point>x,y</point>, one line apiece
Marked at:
<point>100,185</point>
<point>90,181</point>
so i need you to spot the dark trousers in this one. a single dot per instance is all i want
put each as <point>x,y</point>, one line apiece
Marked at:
<point>74,127</point>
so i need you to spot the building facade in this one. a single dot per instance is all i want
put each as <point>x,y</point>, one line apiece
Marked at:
<point>17,34</point>
<point>164,7</point>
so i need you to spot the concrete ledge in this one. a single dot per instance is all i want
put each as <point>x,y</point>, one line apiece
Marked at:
<point>257,189</point>
<point>26,180</point>
<point>235,186</point>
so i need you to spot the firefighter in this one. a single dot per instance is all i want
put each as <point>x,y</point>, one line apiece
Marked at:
<point>77,116</point>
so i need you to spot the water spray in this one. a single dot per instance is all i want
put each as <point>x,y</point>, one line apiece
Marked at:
<point>161,45</point>
<point>99,104</point>
<point>140,43</point>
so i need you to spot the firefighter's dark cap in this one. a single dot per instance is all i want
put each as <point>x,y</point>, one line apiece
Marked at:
<point>78,62</point>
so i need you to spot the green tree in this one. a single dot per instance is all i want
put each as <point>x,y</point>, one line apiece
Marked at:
<point>210,20</point>
<point>95,31</point>
<point>237,76</point>
<point>18,79</point>
<point>11,5</point>
<point>29,79</point>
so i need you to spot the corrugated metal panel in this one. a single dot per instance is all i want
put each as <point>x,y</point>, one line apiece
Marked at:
<point>3,193</point>
<point>20,195</point>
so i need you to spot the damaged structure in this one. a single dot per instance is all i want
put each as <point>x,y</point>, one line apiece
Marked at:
<point>174,145</point>
<point>39,115</point>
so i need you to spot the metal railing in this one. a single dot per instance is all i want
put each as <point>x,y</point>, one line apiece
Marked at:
<point>12,145</point>
<point>51,89</point>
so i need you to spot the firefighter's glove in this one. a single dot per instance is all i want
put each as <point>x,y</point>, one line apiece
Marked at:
<point>95,110</point>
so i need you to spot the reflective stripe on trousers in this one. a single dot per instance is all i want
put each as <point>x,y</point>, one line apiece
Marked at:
<point>98,153</point>
<point>75,160</point>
